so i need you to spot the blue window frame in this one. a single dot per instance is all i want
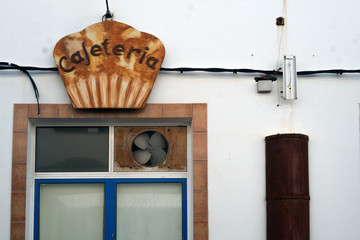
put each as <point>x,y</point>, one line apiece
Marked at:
<point>110,200</point>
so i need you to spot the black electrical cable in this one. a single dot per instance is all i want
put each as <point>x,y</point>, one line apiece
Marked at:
<point>8,66</point>
<point>107,6</point>
<point>247,70</point>
<point>4,65</point>
<point>26,69</point>
<point>337,71</point>
<point>108,14</point>
<point>218,70</point>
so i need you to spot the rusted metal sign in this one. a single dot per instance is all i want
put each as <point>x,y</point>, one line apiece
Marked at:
<point>109,65</point>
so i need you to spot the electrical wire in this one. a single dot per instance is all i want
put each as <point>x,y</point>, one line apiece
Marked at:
<point>279,63</point>
<point>4,65</point>
<point>11,66</point>
<point>219,70</point>
<point>107,6</point>
<point>337,71</point>
<point>26,69</point>
<point>108,15</point>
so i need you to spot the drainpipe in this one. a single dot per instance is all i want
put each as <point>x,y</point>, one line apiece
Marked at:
<point>287,187</point>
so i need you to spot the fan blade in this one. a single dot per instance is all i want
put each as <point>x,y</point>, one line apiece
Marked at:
<point>157,156</point>
<point>142,156</point>
<point>158,141</point>
<point>142,141</point>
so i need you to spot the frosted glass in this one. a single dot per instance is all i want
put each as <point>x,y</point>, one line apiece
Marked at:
<point>71,211</point>
<point>151,211</point>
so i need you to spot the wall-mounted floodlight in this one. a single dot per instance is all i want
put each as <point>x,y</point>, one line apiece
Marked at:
<point>289,77</point>
<point>264,83</point>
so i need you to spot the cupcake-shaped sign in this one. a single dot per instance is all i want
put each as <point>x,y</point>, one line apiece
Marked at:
<point>109,65</point>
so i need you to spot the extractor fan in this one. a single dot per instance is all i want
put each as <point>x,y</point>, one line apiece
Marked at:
<point>150,148</point>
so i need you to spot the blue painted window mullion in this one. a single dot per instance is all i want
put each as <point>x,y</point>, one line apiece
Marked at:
<point>110,214</point>
<point>113,209</point>
<point>36,210</point>
<point>184,209</point>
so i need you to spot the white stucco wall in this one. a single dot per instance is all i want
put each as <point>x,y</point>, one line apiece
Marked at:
<point>231,34</point>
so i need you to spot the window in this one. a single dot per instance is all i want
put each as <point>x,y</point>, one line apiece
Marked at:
<point>79,194</point>
<point>23,168</point>
<point>107,209</point>
<point>72,149</point>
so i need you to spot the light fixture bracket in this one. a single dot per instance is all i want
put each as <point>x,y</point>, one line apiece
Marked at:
<point>289,78</point>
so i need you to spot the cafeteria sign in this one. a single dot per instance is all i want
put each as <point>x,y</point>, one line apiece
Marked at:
<point>109,65</point>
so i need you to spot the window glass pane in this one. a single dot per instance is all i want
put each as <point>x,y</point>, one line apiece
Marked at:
<point>72,149</point>
<point>71,211</point>
<point>151,211</point>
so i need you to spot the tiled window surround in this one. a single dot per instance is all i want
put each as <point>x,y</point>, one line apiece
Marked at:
<point>24,112</point>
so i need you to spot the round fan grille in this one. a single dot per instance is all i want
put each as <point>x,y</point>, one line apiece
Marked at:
<point>150,148</point>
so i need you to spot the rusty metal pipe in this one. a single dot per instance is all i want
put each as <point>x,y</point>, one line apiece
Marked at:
<point>287,187</point>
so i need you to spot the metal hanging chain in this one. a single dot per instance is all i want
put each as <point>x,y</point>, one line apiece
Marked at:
<point>108,15</point>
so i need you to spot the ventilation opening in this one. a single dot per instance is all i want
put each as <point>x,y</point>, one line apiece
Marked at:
<point>150,148</point>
